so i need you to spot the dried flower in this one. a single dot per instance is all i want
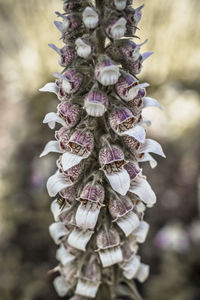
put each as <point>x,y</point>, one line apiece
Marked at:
<point>99,192</point>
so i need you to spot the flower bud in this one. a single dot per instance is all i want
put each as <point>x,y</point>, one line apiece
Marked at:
<point>96,103</point>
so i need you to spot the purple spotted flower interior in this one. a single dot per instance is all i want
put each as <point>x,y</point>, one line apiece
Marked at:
<point>99,192</point>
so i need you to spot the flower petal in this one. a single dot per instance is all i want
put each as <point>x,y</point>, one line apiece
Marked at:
<point>57,231</point>
<point>50,87</point>
<point>141,232</point>
<point>61,286</point>
<point>56,183</point>
<point>143,190</point>
<point>52,46</point>
<point>148,157</point>
<point>51,118</point>
<point>110,256</point>
<point>131,267</point>
<point>52,146</point>
<point>70,160</point>
<point>87,215</point>
<point>142,273</point>
<point>87,288</point>
<point>63,255</point>
<point>137,132</point>
<point>55,209</point>
<point>148,102</point>
<point>128,223</point>
<point>119,181</point>
<point>145,55</point>
<point>152,146</point>
<point>79,238</point>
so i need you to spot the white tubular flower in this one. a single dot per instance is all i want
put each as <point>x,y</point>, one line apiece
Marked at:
<point>90,17</point>
<point>108,243</point>
<point>61,286</point>
<point>79,238</point>
<point>64,256</point>
<point>142,273</point>
<point>57,231</point>
<point>99,192</point>
<point>141,232</point>
<point>131,267</point>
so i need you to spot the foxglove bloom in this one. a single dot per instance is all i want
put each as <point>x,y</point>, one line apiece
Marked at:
<point>99,193</point>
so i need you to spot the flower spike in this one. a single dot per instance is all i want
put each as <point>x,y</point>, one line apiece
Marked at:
<point>99,192</point>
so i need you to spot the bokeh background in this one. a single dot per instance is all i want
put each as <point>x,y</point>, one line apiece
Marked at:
<point>27,63</point>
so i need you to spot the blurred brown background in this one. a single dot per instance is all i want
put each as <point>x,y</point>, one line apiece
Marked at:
<point>27,63</point>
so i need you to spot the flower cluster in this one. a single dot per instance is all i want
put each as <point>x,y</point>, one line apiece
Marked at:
<point>100,194</point>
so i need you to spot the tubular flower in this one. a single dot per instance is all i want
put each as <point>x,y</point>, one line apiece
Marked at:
<point>99,192</point>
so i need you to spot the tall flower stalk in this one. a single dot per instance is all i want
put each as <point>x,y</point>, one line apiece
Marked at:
<point>100,194</point>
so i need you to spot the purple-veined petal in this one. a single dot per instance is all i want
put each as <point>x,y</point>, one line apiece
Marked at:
<point>110,256</point>
<point>128,223</point>
<point>70,160</point>
<point>152,146</point>
<point>141,232</point>
<point>52,118</point>
<point>148,102</point>
<point>143,190</point>
<point>137,132</point>
<point>52,146</point>
<point>61,286</point>
<point>131,267</point>
<point>90,17</point>
<point>57,231</point>
<point>56,183</point>
<point>142,273</point>
<point>50,87</point>
<point>87,215</point>
<point>63,255</point>
<point>148,157</point>
<point>79,238</point>
<point>87,288</point>
<point>55,209</point>
<point>120,181</point>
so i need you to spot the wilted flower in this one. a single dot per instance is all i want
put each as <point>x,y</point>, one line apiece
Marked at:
<point>99,192</point>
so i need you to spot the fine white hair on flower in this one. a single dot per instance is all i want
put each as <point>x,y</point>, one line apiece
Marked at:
<point>100,194</point>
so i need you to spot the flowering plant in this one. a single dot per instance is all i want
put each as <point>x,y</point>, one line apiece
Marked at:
<point>99,189</point>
